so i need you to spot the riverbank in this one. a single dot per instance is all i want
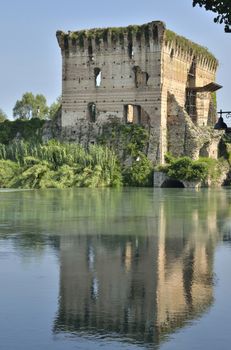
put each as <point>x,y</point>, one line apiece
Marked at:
<point>62,165</point>
<point>119,158</point>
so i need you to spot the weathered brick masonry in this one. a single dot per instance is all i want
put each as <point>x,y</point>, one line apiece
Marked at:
<point>140,74</point>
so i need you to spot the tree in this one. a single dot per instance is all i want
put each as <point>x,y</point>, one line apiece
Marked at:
<point>3,116</point>
<point>31,106</point>
<point>221,7</point>
<point>54,107</point>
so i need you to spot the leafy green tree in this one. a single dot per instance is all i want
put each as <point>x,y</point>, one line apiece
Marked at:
<point>55,106</point>
<point>31,106</point>
<point>221,7</point>
<point>3,116</point>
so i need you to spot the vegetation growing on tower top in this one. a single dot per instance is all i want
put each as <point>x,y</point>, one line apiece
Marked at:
<point>188,45</point>
<point>117,34</point>
<point>101,34</point>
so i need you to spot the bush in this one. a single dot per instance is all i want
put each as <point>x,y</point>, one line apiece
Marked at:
<point>29,130</point>
<point>8,170</point>
<point>140,173</point>
<point>184,168</point>
<point>215,168</point>
<point>58,165</point>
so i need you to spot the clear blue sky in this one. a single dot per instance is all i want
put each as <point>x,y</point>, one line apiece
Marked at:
<point>30,59</point>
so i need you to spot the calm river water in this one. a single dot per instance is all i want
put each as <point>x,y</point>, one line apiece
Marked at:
<point>115,269</point>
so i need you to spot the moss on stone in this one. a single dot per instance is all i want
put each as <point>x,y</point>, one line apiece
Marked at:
<point>117,34</point>
<point>99,34</point>
<point>127,139</point>
<point>188,45</point>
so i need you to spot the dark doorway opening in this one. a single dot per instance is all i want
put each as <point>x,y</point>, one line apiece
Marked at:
<point>171,183</point>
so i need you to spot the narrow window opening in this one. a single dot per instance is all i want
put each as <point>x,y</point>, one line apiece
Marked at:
<point>129,114</point>
<point>132,114</point>
<point>92,112</point>
<point>98,77</point>
<point>146,77</point>
<point>90,53</point>
<point>130,50</point>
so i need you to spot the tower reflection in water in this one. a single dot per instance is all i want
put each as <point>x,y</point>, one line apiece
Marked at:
<point>140,286</point>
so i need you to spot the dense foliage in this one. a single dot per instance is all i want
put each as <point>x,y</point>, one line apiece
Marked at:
<point>184,168</point>
<point>54,108</point>
<point>221,8</point>
<point>27,165</point>
<point>29,130</point>
<point>119,159</point>
<point>130,142</point>
<point>140,173</point>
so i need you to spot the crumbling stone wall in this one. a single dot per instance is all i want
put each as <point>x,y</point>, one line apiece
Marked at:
<point>126,75</point>
<point>186,138</point>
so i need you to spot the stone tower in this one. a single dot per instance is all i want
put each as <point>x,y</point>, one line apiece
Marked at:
<point>146,75</point>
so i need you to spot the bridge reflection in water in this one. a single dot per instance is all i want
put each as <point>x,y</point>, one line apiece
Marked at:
<point>140,287</point>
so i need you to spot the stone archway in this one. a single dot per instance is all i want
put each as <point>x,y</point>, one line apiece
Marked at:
<point>171,183</point>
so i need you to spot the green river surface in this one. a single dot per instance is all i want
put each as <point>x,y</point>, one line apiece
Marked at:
<point>115,269</point>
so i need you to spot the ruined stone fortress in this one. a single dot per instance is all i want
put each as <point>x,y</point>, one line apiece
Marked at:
<point>145,75</point>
